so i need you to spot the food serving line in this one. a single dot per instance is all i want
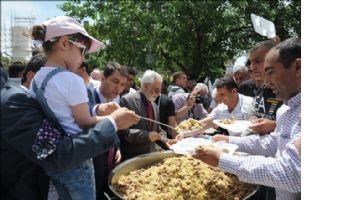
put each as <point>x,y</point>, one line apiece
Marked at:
<point>150,176</point>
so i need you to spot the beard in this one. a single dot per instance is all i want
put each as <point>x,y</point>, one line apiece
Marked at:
<point>151,99</point>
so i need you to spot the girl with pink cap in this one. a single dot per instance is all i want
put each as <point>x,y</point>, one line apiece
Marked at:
<point>64,98</point>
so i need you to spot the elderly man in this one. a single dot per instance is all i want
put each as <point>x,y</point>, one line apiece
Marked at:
<point>191,105</point>
<point>140,138</point>
<point>234,105</point>
<point>281,168</point>
<point>240,74</point>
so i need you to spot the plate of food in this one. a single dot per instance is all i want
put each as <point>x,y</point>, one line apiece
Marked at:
<point>233,125</point>
<point>188,145</point>
<point>189,127</point>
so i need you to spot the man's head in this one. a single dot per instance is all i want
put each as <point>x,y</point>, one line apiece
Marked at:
<point>240,74</point>
<point>96,74</point>
<point>283,68</point>
<point>180,79</point>
<point>200,90</point>
<point>215,97</point>
<point>16,70</point>
<point>227,91</point>
<point>130,79</point>
<point>151,85</point>
<point>257,59</point>
<point>83,71</point>
<point>114,80</point>
<point>32,67</point>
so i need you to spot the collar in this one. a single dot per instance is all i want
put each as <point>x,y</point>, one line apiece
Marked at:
<point>239,104</point>
<point>294,101</point>
<point>101,97</point>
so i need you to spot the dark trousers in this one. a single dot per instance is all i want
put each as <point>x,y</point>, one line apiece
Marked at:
<point>264,193</point>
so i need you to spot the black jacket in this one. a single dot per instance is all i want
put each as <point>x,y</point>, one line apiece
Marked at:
<point>22,176</point>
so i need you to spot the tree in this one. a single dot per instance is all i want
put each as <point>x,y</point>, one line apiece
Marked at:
<point>6,62</point>
<point>194,36</point>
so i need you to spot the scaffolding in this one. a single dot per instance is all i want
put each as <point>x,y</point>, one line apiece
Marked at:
<point>21,46</point>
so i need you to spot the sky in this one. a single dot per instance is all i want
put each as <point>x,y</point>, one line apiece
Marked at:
<point>41,10</point>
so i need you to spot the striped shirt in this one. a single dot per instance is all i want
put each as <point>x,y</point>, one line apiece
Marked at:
<point>281,168</point>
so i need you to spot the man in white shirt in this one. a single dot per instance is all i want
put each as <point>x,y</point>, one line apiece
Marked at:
<point>234,105</point>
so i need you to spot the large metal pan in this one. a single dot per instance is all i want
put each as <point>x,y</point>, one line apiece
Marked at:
<point>143,161</point>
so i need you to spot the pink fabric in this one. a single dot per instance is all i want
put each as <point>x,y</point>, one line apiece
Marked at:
<point>64,25</point>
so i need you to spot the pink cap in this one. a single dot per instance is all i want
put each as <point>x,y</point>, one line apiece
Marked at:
<point>64,25</point>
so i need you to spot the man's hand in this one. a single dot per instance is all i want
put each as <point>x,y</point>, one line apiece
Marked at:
<point>170,142</point>
<point>263,126</point>
<point>220,137</point>
<point>297,144</point>
<point>154,136</point>
<point>104,109</point>
<point>181,136</point>
<point>190,101</point>
<point>209,155</point>
<point>124,118</point>
<point>118,156</point>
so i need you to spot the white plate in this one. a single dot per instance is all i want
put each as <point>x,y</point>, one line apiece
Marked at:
<point>188,145</point>
<point>209,131</point>
<point>239,126</point>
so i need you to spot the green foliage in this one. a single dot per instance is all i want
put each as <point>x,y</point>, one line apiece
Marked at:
<point>194,36</point>
<point>6,62</point>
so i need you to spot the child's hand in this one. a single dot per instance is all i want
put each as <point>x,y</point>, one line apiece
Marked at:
<point>104,109</point>
<point>124,118</point>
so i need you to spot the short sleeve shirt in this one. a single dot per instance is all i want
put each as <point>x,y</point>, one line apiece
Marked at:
<point>266,103</point>
<point>63,91</point>
<point>166,109</point>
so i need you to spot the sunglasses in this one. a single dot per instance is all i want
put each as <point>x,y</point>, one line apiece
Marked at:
<point>82,47</point>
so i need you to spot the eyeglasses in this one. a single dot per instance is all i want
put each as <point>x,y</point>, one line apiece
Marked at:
<point>80,46</point>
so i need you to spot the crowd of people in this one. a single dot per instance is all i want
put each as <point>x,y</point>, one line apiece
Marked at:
<point>65,126</point>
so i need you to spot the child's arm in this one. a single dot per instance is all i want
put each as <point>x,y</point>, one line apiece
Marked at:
<point>82,116</point>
